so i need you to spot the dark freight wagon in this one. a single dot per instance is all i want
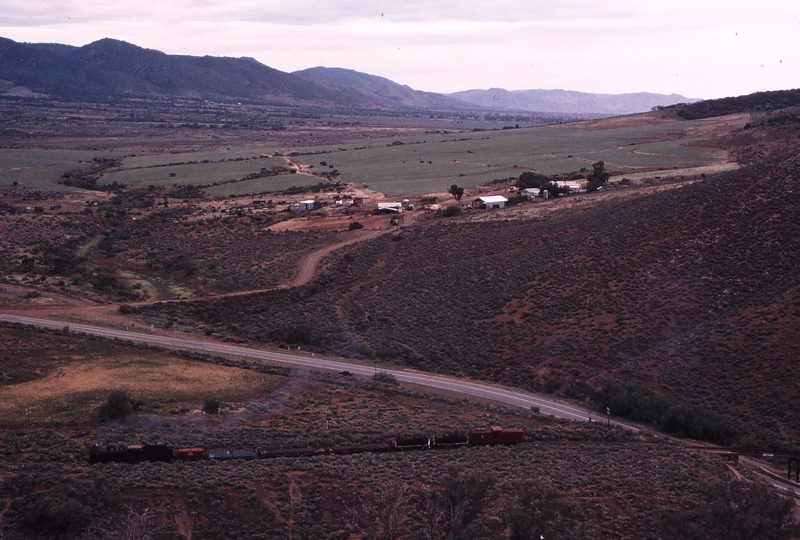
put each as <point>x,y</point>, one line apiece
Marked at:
<point>495,435</point>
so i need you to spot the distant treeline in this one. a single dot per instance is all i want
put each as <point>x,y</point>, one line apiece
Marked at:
<point>668,415</point>
<point>760,101</point>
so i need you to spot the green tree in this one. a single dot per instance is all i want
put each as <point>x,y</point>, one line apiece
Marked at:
<point>117,406</point>
<point>598,177</point>
<point>530,179</point>
<point>456,192</point>
<point>212,405</point>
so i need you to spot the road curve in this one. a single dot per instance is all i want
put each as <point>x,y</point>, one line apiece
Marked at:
<point>463,387</point>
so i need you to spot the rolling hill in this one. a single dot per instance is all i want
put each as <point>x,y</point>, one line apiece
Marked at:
<point>380,89</point>
<point>110,70</point>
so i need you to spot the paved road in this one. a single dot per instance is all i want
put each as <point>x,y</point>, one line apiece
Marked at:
<point>436,382</point>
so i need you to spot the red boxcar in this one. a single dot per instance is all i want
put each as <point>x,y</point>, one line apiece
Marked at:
<point>495,435</point>
<point>190,454</point>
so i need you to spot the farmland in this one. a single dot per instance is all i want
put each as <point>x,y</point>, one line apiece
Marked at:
<point>418,165</point>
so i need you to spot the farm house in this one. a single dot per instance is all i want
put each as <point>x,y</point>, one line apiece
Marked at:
<point>306,206</point>
<point>494,201</point>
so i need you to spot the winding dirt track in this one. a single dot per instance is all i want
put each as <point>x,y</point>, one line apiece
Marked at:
<point>308,264</point>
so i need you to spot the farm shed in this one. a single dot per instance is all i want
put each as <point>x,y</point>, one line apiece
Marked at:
<point>306,206</point>
<point>390,208</point>
<point>530,192</point>
<point>494,201</point>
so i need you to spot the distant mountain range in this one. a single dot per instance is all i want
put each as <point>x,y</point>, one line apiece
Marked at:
<point>111,70</point>
<point>568,101</point>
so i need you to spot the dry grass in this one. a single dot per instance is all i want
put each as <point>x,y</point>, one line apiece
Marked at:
<point>75,384</point>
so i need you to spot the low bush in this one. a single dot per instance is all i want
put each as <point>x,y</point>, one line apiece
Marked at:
<point>451,211</point>
<point>385,377</point>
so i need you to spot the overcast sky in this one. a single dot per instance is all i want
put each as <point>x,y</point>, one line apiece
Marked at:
<point>697,48</point>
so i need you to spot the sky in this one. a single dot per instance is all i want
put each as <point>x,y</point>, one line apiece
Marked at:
<point>696,48</point>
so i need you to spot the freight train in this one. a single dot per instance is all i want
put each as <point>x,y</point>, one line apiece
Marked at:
<point>165,453</point>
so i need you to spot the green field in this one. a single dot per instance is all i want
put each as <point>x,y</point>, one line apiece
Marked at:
<point>432,163</point>
<point>40,169</point>
<point>186,157</point>
<point>263,185</point>
<point>412,165</point>
<point>191,173</point>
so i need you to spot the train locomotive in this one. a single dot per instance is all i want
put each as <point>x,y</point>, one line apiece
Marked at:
<point>164,453</point>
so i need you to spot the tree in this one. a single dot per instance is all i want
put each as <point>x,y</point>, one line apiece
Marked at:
<point>554,189</point>
<point>530,179</point>
<point>598,177</point>
<point>117,406</point>
<point>456,192</point>
<point>211,406</point>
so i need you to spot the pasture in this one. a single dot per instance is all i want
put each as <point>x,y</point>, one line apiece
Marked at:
<point>418,165</point>
<point>193,174</point>
<point>41,169</point>
<point>411,165</point>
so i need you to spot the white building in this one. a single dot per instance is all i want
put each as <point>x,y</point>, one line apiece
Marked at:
<point>306,206</point>
<point>574,187</point>
<point>390,207</point>
<point>494,201</point>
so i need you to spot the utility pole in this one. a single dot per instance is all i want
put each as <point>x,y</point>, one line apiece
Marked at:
<point>608,412</point>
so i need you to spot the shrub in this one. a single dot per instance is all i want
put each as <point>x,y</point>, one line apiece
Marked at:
<point>451,211</point>
<point>355,225</point>
<point>385,377</point>
<point>40,516</point>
